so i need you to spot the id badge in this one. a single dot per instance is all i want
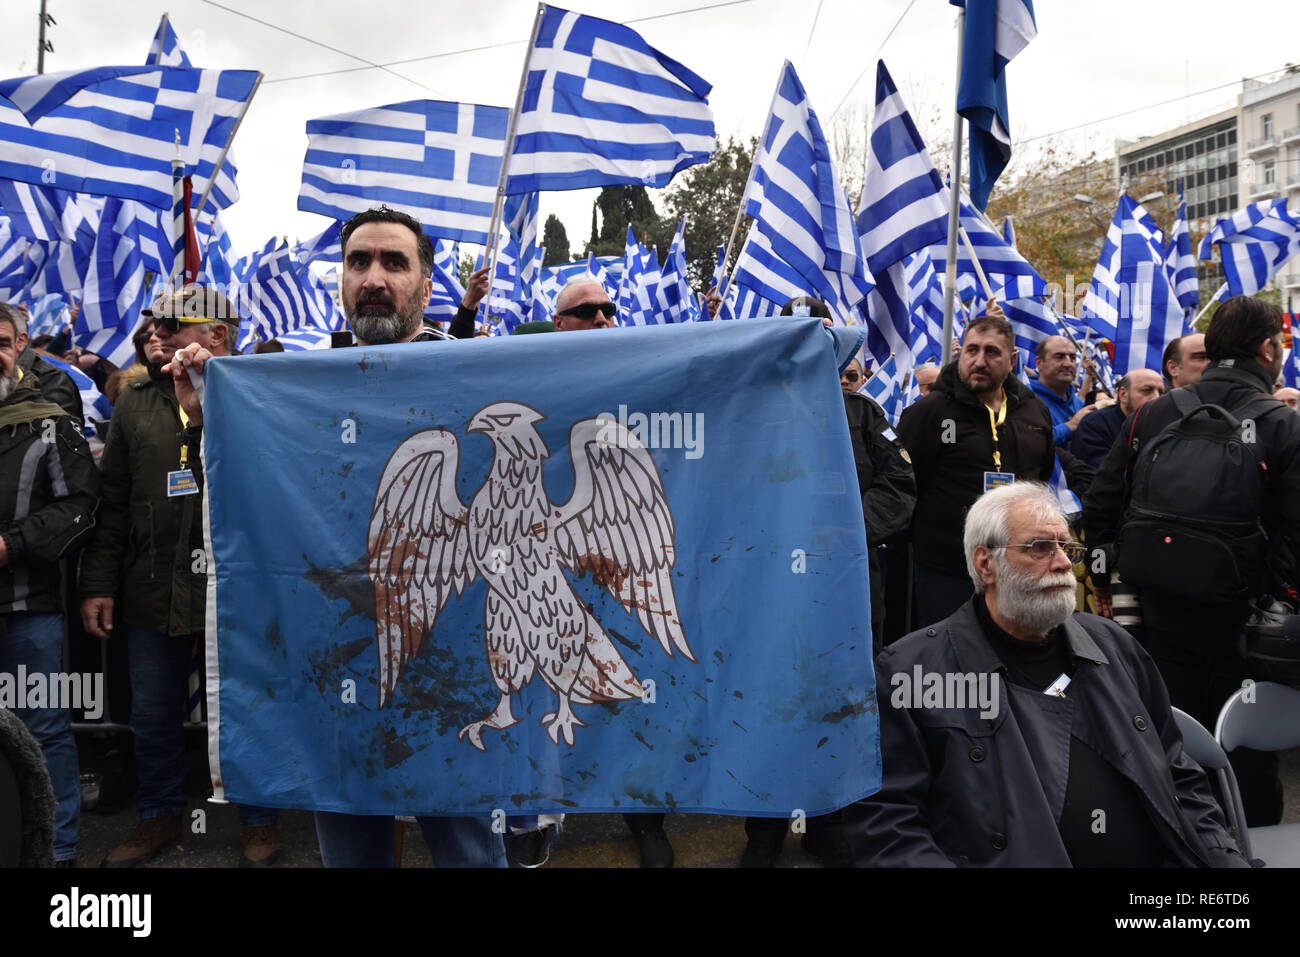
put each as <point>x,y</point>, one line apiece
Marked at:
<point>181,482</point>
<point>994,480</point>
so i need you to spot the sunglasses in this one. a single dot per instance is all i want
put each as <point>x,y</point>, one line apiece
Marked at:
<point>587,311</point>
<point>173,324</point>
<point>850,375</point>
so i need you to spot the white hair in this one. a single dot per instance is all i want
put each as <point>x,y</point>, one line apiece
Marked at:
<point>585,279</point>
<point>986,522</point>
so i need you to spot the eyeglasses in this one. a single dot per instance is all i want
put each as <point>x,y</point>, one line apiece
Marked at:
<point>587,311</point>
<point>850,375</point>
<point>1044,549</point>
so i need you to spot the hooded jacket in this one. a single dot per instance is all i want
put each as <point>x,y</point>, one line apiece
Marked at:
<point>950,439</point>
<point>48,491</point>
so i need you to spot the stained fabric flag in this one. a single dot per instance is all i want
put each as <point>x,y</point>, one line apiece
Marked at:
<point>602,107</point>
<point>1181,261</point>
<point>902,209</point>
<point>111,130</point>
<point>995,31</point>
<point>1131,298</point>
<point>800,211</point>
<point>1253,243</point>
<point>434,160</point>
<point>533,591</point>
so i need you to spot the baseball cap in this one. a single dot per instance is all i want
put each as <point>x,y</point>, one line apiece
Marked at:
<point>193,303</point>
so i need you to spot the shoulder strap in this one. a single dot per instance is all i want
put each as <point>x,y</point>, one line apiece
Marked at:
<point>1186,400</point>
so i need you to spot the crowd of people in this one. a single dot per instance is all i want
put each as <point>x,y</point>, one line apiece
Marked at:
<point>975,572</point>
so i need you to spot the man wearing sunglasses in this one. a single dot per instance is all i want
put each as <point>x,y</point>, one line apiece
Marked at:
<point>139,569</point>
<point>851,379</point>
<point>1019,733</point>
<point>583,305</point>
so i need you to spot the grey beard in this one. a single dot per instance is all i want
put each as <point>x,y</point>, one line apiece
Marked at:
<point>380,330</point>
<point>8,384</point>
<point>1021,598</point>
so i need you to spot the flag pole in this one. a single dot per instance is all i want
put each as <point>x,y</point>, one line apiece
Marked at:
<point>954,209</point>
<point>740,213</point>
<point>493,247</point>
<point>216,169</point>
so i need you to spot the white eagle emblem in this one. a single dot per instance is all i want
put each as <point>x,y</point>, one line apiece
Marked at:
<point>424,543</point>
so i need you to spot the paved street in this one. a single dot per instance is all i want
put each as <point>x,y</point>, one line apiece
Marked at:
<point>588,840</point>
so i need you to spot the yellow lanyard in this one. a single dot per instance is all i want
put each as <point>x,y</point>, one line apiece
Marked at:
<point>185,424</point>
<point>994,422</point>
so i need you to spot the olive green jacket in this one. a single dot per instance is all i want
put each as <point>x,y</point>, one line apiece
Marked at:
<point>147,549</point>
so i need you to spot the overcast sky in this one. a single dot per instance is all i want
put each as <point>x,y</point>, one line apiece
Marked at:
<point>1090,62</point>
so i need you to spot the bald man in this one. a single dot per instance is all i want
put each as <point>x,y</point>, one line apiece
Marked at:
<point>1097,433</point>
<point>1287,395</point>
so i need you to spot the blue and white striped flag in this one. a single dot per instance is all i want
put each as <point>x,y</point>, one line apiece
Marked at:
<point>52,215</point>
<point>995,31</point>
<point>115,290</point>
<point>745,303</point>
<point>44,314</point>
<point>111,130</point>
<point>886,387</point>
<point>1071,507</point>
<point>166,47</point>
<point>1033,321</point>
<point>998,258</point>
<point>1009,232</point>
<point>305,339</point>
<point>439,162</point>
<point>901,210</point>
<point>925,298</point>
<point>674,296</point>
<point>1095,352</point>
<point>324,247</point>
<point>627,301</point>
<point>280,296</point>
<point>1291,367</point>
<point>448,291</point>
<point>1181,262</point>
<point>602,107</point>
<point>1253,243</point>
<point>95,406</point>
<point>1131,298</point>
<point>800,211</point>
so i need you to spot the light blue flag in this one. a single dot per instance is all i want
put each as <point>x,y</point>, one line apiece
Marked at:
<point>995,31</point>
<point>111,130</point>
<point>540,592</point>
<point>602,107</point>
<point>1253,243</point>
<point>1181,261</point>
<point>803,232</point>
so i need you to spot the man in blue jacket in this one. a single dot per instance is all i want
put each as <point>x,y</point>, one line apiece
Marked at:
<point>1098,432</point>
<point>1057,360</point>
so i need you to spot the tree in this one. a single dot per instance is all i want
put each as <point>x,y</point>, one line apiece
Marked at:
<point>709,196</point>
<point>555,239</point>
<point>623,206</point>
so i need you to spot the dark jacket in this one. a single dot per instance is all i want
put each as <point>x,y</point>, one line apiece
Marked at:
<point>949,438</point>
<point>964,791</point>
<point>1097,433</point>
<point>885,478</point>
<point>48,491</point>
<point>148,548</point>
<point>56,385</point>
<point>1278,435</point>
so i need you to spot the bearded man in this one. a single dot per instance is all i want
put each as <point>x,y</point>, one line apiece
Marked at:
<point>1020,733</point>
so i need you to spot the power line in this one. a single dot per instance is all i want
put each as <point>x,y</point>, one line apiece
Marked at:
<point>477,49</point>
<point>326,46</point>
<point>868,66</point>
<point>813,28</point>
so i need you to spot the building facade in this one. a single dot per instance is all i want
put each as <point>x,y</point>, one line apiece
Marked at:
<point>1268,128</point>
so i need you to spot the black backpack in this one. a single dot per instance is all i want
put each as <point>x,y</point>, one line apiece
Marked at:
<point>1192,527</point>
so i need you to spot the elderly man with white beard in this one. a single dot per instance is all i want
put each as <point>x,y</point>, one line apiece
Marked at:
<point>1072,760</point>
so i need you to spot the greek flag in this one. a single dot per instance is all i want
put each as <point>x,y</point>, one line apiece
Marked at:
<point>744,303</point>
<point>1096,353</point>
<point>801,215</point>
<point>111,130</point>
<point>281,295</point>
<point>115,289</point>
<point>925,299</point>
<point>1291,368</point>
<point>676,301</point>
<point>1009,232</point>
<point>95,406</point>
<point>439,162</point>
<point>325,247</point>
<point>44,314</point>
<point>901,210</point>
<point>1033,321</point>
<point>166,47</point>
<point>1181,262</point>
<point>998,257</point>
<point>628,301</point>
<point>886,387</point>
<point>50,215</point>
<point>601,107</point>
<point>447,288</point>
<point>1069,502</point>
<point>305,339</point>
<point>1253,243</point>
<point>995,31</point>
<point>1131,298</point>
